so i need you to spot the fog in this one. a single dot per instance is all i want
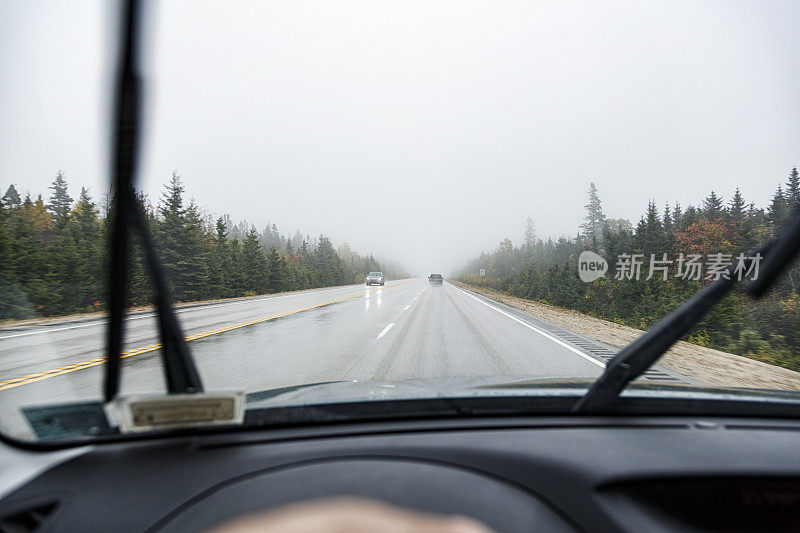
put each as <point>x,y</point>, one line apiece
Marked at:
<point>423,132</point>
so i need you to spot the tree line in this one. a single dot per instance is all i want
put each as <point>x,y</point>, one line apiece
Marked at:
<point>53,254</point>
<point>546,270</point>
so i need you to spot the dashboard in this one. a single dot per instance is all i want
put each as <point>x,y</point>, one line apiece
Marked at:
<point>514,474</point>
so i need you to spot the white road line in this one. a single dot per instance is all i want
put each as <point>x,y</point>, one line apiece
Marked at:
<point>534,328</point>
<point>385,330</point>
<point>406,307</point>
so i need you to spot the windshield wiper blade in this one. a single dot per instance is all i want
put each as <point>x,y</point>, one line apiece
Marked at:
<point>634,360</point>
<point>179,368</point>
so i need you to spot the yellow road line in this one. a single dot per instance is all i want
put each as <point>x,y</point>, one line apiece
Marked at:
<point>74,367</point>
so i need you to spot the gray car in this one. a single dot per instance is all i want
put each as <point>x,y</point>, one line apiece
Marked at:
<point>375,278</point>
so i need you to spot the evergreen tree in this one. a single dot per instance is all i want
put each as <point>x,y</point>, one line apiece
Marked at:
<point>669,229</point>
<point>741,219</point>
<point>505,254</point>
<point>254,264</point>
<point>327,263</point>
<point>530,234</point>
<point>713,207</point>
<point>194,264</point>
<point>237,283</point>
<point>778,209</point>
<point>677,217</point>
<point>304,251</point>
<point>180,233</point>
<point>690,216</point>
<point>222,232</point>
<point>60,200</point>
<point>11,198</point>
<point>297,240</point>
<point>140,285</point>
<point>793,189</point>
<point>737,207</point>
<point>667,219</point>
<point>221,263</point>
<point>87,239</point>
<point>650,237</point>
<point>277,272</point>
<point>593,221</point>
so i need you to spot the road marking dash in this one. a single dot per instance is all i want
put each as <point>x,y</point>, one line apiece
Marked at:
<point>385,330</point>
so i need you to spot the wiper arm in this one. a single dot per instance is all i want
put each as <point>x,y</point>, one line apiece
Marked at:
<point>180,370</point>
<point>634,360</point>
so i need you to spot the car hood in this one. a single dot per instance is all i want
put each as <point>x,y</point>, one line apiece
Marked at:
<point>361,391</point>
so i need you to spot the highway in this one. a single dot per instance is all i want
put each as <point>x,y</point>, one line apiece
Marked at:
<point>405,330</point>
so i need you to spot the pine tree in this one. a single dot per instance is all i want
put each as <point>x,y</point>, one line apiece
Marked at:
<point>690,216</point>
<point>593,221</point>
<point>11,198</point>
<point>737,207</point>
<point>530,234</point>
<point>740,219</point>
<point>304,252</point>
<point>181,247</point>
<point>793,189</point>
<point>277,272</point>
<point>677,217</point>
<point>505,254</point>
<point>60,201</point>
<point>328,265</point>
<point>254,264</point>
<point>237,283</point>
<point>713,207</point>
<point>171,227</point>
<point>86,237</point>
<point>669,229</point>
<point>141,285</point>
<point>650,237</point>
<point>222,232</point>
<point>172,198</point>
<point>778,209</point>
<point>220,263</point>
<point>194,263</point>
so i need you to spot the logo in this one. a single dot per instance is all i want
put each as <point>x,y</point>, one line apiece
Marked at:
<point>591,266</point>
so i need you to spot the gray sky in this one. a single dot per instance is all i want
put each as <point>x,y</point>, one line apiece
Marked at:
<point>420,131</point>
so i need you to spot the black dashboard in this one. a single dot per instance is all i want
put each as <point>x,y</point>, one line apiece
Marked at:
<point>514,474</point>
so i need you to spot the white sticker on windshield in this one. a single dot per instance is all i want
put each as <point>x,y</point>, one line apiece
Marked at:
<point>150,413</point>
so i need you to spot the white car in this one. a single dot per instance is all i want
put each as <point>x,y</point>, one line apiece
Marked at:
<point>375,278</point>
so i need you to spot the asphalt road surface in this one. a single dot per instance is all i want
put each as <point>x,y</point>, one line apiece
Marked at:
<point>405,330</point>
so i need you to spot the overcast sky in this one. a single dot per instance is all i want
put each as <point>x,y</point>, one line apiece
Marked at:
<point>420,131</point>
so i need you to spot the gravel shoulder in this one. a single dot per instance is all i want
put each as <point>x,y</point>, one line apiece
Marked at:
<point>705,365</point>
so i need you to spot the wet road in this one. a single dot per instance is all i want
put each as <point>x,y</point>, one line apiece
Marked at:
<point>405,330</point>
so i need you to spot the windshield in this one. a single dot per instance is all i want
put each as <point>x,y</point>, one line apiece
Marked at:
<point>575,171</point>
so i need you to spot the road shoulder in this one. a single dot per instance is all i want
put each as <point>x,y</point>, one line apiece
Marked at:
<point>705,365</point>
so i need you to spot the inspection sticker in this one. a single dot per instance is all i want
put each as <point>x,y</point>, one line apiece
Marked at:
<point>149,413</point>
